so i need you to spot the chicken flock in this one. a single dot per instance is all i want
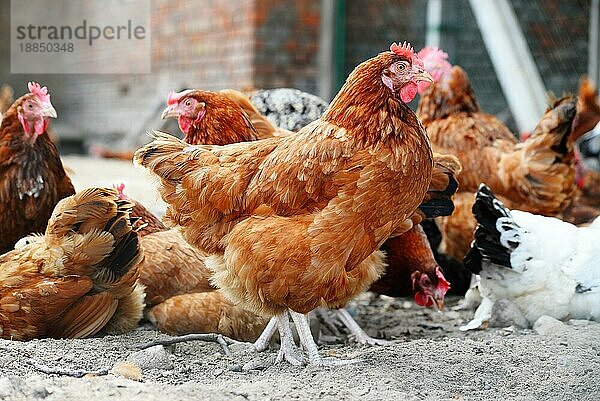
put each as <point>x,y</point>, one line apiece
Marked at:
<point>265,225</point>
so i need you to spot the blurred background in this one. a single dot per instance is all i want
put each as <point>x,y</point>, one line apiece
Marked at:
<point>513,50</point>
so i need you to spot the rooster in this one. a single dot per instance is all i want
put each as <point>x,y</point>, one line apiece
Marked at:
<point>294,223</point>
<point>32,175</point>
<point>76,279</point>
<point>537,175</point>
<point>545,266</point>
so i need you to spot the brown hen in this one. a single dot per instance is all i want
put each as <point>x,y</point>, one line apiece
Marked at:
<point>179,296</point>
<point>295,223</point>
<point>32,177</point>
<point>536,175</point>
<point>76,279</point>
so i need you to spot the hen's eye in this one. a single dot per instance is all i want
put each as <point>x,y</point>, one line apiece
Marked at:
<point>401,66</point>
<point>30,106</point>
<point>188,102</point>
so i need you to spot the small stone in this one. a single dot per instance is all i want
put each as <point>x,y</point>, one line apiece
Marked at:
<point>127,369</point>
<point>7,390</point>
<point>547,325</point>
<point>155,357</point>
<point>253,365</point>
<point>241,349</point>
<point>234,367</point>
<point>505,313</point>
<point>580,322</point>
<point>40,391</point>
<point>407,305</point>
<point>452,314</point>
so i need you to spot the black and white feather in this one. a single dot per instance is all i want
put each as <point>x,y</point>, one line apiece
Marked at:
<point>287,108</point>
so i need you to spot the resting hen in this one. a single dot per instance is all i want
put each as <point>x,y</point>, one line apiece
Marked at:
<point>179,296</point>
<point>537,175</point>
<point>545,266</point>
<point>32,177</point>
<point>79,277</point>
<point>294,223</point>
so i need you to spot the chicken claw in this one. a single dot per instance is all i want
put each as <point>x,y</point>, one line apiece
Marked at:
<point>357,332</point>
<point>306,339</point>
<point>287,350</point>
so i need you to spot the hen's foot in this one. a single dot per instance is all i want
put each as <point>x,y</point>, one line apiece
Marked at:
<point>306,339</point>
<point>357,332</point>
<point>287,350</point>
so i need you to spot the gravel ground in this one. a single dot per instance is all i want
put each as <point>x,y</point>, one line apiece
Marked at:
<point>430,359</point>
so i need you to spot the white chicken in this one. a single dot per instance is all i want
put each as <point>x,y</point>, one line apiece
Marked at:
<point>543,265</point>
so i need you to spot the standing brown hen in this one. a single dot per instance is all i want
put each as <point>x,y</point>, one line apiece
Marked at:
<point>214,115</point>
<point>295,223</point>
<point>536,175</point>
<point>32,177</point>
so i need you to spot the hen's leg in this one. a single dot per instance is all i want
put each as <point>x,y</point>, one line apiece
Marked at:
<point>330,322</point>
<point>358,333</point>
<point>287,350</point>
<point>306,339</point>
<point>262,343</point>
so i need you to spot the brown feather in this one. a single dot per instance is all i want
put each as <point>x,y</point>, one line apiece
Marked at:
<point>206,313</point>
<point>536,175</point>
<point>73,280</point>
<point>171,266</point>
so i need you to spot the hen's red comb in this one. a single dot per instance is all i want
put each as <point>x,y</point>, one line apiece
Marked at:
<point>175,97</point>
<point>120,187</point>
<point>443,284</point>
<point>406,50</point>
<point>40,92</point>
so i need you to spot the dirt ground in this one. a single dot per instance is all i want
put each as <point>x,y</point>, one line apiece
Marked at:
<point>430,360</point>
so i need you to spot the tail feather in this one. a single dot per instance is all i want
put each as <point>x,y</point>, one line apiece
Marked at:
<point>556,123</point>
<point>540,173</point>
<point>489,245</point>
<point>438,201</point>
<point>164,157</point>
<point>104,244</point>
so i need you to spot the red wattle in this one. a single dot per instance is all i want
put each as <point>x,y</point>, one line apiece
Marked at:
<point>422,299</point>
<point>408,92</point>
<point>185,124</point>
